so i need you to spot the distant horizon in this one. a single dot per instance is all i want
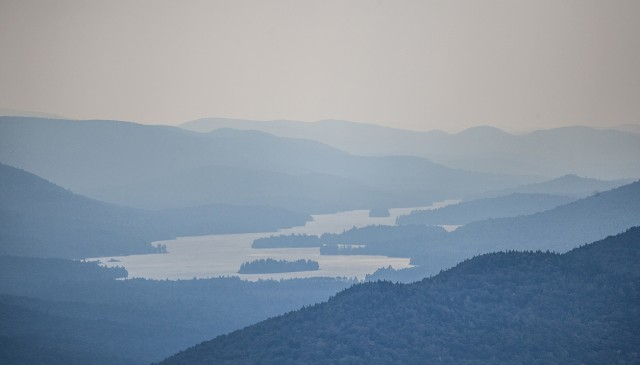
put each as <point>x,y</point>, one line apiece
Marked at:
<point>13,112</point>
<point>413,65</point>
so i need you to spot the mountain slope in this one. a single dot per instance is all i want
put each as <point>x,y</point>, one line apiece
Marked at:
<point>236,185</point>
<point>38,218</point>
<point>561,228</point>
<point>476,210</point>
<point>568,185</point>
<point>502,308</point>
<point>606,154</point>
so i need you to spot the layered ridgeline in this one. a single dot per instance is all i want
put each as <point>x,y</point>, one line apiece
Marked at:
<point>500,308</point>
<point>480,209</point>
<point>62,312</point>
<point>606,154</point>
<point>310,192</point>
<point>568,185</point>
<point>38,218</point>
<point>559,229</point>
<point>432,249</point>
<point>166,167</point>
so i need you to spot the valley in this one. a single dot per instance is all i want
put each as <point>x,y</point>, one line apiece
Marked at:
<point>335,182</point>
<point>221,255</point>
<point>138,246</point>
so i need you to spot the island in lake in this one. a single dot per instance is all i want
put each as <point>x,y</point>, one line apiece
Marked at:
<point>293,240</point>
<point>268,266</point>
<point>379,212</point>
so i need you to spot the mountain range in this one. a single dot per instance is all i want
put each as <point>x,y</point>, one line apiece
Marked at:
<point>568,185</point>
<point>167,167</point>
<point>605,154</point>
<point>480,209</point>
<point>104,188</point>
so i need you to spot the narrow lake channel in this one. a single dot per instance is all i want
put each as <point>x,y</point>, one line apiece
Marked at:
<point>222,254</point>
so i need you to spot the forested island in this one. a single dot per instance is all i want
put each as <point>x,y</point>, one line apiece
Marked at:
<point>269,266</point>
<point>293,240</point>
<point>398,241</point>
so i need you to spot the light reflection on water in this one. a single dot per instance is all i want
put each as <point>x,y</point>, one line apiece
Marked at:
<point>222,255</point>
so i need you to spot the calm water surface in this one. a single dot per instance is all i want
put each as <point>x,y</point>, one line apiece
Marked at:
<point>222,254</point>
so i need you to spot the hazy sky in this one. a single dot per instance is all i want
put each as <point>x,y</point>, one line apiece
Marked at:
<point>418,65</point>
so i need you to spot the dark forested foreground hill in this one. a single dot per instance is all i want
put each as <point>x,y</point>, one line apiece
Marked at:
<point>61,312</point>
<point>502,308</point>
<point>38,218</point>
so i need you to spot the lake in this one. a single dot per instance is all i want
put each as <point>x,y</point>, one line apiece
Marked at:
<point>222,254</point>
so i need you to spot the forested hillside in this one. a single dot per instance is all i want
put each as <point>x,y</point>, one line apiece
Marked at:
<point>59,312</point>
<point>499,308</point>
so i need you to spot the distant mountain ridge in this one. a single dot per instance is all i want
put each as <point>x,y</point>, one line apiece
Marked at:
<point>511,205</point>
<point>27,113</point>
<point>103,159</point>
<point>606,154</point>
<point>633,128</point>
<point>499,308</point>
<point>567,185</point>
<point>236,185</point>
<point>561,228</point>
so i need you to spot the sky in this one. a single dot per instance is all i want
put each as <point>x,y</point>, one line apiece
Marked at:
<point>420,65</point>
